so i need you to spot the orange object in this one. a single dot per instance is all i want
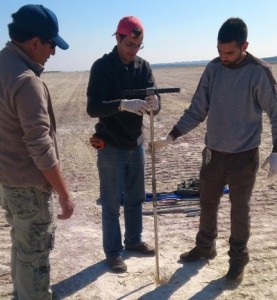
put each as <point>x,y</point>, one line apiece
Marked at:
<point>96,142</point>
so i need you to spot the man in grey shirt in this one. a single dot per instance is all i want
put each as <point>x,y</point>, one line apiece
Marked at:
<point>234,90</point>
<point>29,158</point>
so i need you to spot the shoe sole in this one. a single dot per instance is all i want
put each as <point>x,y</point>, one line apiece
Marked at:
<point>141,252</point>
<point>186,259</point>
<point>118,270</point>
<point>236,279</point>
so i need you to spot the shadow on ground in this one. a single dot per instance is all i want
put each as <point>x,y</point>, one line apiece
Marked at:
<point>180,278</point>
<point>79,281</point>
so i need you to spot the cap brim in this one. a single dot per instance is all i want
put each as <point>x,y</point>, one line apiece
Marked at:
<point>60,42</point>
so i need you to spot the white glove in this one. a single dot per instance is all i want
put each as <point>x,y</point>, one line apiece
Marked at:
<point>272,161</point>
<point>153,102</point>
<point>136,106</point>
<point>163,142</point>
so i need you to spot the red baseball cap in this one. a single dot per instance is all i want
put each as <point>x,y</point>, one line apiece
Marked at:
<point>130,26</point>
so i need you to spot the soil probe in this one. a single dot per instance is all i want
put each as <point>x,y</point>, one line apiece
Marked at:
<point>154,195</point>
<point>148,92</point>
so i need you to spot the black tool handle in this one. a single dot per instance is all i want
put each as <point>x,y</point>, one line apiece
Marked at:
<point>150,91</point>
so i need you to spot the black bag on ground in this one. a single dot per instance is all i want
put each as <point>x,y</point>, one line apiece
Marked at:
<point>190,187</point>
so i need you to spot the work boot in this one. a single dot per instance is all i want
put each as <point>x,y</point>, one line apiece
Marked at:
<point>198,253</point>
<point>142,248</point>
<point>236,270</point>
<point>116,264</point>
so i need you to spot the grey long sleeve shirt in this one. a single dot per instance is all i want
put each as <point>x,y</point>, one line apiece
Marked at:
<point>232,98</point>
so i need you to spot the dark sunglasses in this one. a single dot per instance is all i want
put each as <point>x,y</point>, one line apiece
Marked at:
<point>50,42</point>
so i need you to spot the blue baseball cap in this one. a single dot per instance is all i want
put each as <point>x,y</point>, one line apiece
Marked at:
<point>39,21</point>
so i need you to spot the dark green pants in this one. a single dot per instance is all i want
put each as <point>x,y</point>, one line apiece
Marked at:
<point>238,170</point>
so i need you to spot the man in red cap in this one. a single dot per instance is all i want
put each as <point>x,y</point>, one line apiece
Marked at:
<point>29,158</point>
<point>120,128</point>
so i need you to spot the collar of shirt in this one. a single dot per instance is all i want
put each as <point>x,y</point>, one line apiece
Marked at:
<point>35,67</point>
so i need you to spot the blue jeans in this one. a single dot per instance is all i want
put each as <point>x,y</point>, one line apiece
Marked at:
<point>121,174</point>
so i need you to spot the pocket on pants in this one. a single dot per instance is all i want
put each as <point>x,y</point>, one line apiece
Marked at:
<point>42,237</point>
<point>21,201</point>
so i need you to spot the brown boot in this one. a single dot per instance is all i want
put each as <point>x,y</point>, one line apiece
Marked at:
<point>236,270</point>
<point>116,264</point>
<point>142,248</point>
<point>198,253</point>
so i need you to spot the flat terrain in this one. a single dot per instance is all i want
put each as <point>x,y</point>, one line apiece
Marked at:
<point>78,268</point>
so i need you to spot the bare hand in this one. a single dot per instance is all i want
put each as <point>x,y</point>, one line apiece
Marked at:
<point>67,207</point>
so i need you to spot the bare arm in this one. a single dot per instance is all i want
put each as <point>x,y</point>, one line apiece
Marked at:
<point>55,178</point>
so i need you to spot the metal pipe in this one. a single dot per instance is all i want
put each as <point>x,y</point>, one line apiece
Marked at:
<point>154,195</point>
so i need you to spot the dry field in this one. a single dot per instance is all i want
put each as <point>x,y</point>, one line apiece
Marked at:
<point>78,267</point>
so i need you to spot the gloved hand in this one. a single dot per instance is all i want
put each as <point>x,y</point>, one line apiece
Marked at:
<point>163,142</point>
<point>153,102</point>
<point>272,161</point>
<point>136,106</point>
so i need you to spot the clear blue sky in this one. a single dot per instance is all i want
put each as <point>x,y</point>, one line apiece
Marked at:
<point>175,30</point>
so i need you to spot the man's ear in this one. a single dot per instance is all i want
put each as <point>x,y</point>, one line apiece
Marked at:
<point>244,46</point>
<point>118,38</point>
<point>34,43</point>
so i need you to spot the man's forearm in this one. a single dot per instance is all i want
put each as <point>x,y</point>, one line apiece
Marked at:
<point>56,180</point>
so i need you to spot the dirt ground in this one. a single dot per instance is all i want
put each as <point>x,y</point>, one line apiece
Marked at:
<point>78,269</point>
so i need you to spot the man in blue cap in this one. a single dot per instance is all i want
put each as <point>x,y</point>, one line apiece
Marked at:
<point>29,158</point>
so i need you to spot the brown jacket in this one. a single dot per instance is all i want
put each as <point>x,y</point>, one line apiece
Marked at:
<point>27,122</point>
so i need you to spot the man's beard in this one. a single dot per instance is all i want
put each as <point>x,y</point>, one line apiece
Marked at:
<point>235,62</point>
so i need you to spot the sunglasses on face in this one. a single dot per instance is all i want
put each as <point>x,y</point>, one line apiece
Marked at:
<point>50,42</point>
